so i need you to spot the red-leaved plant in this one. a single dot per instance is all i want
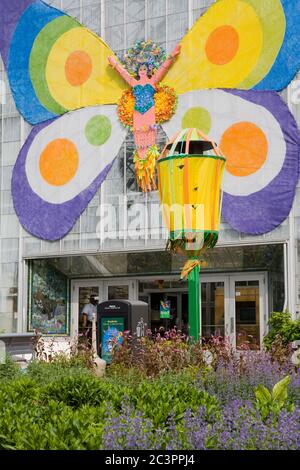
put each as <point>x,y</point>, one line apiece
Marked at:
<point>170,350</point>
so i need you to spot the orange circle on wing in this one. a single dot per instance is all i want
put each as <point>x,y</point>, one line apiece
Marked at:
<point>78,68</point>
<point>59,162</point>
<point>222,45</point>
<point>245,147</point>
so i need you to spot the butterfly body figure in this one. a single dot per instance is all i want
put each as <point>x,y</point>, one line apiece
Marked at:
<point>231,64</point>
<point>144,120</point>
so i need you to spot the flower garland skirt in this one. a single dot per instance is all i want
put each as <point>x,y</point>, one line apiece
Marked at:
<point>146,154</point>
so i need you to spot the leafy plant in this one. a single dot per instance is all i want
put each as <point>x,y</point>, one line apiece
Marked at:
<point>170,350</point>
<point>77,391</point>
<point>160,401</point>
<point>271,403</point>
<point>9,369</point>
<point>44,372</point>
<point>282,327</point>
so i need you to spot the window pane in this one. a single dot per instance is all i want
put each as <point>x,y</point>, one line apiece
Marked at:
<point>177,26</point>
<point>114,36</point>
<point>10,151</point>
<point>48,308</point>
<point>135,32</point>
<point>156,8</point>
<point>91,17</point>
<point>118,292</point>
<point>85,294</point>
<point>212,309</point>
<point>135,10</point>
<point>177,6</point>
<point>247,314</point>
<point>11,129</point>
<point>114,12</point>
<point>157,29</point>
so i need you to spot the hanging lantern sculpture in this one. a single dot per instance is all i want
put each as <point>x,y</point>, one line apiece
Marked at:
<point>190,171</point>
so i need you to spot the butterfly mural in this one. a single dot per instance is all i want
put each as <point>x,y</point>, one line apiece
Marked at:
<point>232,63</point>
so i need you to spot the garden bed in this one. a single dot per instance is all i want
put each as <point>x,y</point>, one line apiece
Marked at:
<point>186,404</point>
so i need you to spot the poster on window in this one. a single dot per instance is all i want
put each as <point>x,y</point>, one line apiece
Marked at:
<point>165,309</point>
<point>48,299</point>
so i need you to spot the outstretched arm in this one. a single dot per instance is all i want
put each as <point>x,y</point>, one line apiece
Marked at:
<point>121,70</point>
<point>166,65</point>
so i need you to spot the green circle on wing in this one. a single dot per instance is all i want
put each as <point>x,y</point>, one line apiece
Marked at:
<point>98,130</point>
<point>197,117</point>
<point>41,49</point>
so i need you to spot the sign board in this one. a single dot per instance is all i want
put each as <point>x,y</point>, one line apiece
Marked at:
<point>165,309</point>
<point>112,329</point>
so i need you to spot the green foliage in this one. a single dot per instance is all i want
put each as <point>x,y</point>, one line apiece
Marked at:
<point>55,426</point>
<point>272,403</point>
<point>9,370</point>
<point>58,407</point>
<point>158,399</point>
<point>282,326</point>
<point>77,391</point>
<point>63,406</point>
<point>44,372</point>
<point>167,397</point>
<point>35,415</point>
<point>129,375</point>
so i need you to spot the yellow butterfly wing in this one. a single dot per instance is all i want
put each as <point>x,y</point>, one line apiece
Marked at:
<point>54,64</point>
<point>234,44</point>
<point>78,73</point>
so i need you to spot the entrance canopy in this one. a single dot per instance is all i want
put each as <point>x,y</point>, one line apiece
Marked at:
<point>229,259</point>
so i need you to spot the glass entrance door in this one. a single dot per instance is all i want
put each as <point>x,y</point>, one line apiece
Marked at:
<point>82,291</point>
<point>85,294</point>
<point>212,309</point>
<point>101,290</point>
<point>247,316</point>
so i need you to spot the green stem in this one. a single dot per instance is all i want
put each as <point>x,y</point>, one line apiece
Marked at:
<point>194,304</point>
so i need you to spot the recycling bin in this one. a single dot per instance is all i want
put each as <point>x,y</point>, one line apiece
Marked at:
<point>113,318</point>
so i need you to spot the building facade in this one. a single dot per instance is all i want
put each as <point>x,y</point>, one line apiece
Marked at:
<point>117,248</point>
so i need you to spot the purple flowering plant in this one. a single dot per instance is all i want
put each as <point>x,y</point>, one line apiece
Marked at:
<point>240,418</point>
<point>238,426</point>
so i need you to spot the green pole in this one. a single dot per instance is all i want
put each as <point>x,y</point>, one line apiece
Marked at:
<point>194,303</point>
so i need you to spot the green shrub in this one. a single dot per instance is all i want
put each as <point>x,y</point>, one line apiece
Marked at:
<point>70,412</point>
<point>282,327</point>
<point>127,375</point>
<point>44,372</point>
<point>159,399</point>
<point>54,426</point>
<point>30,419</point>
<point>9,370</point>
<point>163,399</point>
<point>76,391</point>
<point>21,389</point>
